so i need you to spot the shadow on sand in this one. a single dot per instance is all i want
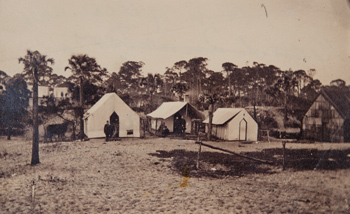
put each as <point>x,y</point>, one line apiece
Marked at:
<point>218,165</point>
<point>306,159</point>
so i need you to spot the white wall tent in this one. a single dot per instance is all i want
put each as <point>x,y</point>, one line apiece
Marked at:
<point>234,124</point>
<point>168,112</point>
<point>112,108</point>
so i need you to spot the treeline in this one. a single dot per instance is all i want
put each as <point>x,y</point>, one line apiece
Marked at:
<point>233,86</point>
<point>236,87</point>
<point>257,85</point>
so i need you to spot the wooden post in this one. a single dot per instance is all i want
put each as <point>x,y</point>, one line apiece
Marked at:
<point>199,151</point>
<point>284,154</point>
<point>33,195</point>
<point>143,126</point>
<point>81,111</point>
<point>155,132</point>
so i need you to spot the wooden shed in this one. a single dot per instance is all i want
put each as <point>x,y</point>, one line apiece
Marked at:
<point>234,124</point>
<point>328,118</point>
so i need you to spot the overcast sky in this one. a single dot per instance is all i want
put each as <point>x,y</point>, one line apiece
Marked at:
<point>296,34</point>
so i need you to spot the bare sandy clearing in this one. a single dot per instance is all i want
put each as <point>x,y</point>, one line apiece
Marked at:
<point>158,175</point>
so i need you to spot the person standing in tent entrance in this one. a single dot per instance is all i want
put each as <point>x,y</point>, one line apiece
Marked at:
<point>177,126</point>
<point>107,130</point>
<point>182,125</point>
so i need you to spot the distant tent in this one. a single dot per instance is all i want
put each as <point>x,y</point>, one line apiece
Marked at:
<point>234,124</point>
<point>170,111</point>
<point>112,108</point>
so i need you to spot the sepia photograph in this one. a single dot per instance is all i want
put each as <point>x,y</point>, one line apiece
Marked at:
<point>174,106</point>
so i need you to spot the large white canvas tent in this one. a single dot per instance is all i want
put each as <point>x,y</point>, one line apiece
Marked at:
<point>234,124</point>
<point>170,111</point>
<point>112,108</point>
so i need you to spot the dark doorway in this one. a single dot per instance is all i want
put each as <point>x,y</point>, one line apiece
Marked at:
<point>347,130</point>
<point>114,118</point>
<point>243,130</point>
<point>177,125</point>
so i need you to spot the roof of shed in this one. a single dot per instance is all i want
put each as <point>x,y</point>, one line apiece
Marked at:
<point>223,115</point>
<point>339,98</point>
<point>168,109</point>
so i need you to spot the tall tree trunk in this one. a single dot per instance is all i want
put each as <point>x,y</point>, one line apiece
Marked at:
<point>200,88</point>
<point>165,88</point>
<point>229,84</point>
<point>191,92</point>
<point>256,101</point>
<point>81,103</point>
<point>255,111</point>
<point>285,107</point>
<point>234,90</point>
<point>35,147</point>
<point>239,97</point>
<point>73,134</point>
<point>210,124</point>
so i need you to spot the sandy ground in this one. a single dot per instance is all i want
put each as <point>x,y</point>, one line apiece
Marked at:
<point>159,175</point>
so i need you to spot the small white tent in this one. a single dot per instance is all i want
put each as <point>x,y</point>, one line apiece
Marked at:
<point>112,108</point>
<point>169,111</point>
<point>234,124</point>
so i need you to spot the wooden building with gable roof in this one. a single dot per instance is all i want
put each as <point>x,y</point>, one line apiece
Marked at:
<point>328,118</point>
<point>234,124</point>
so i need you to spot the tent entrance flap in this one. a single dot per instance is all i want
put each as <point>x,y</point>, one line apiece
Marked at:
<point>177,123</point>
<point>243,130</point>
<point>114,120</point>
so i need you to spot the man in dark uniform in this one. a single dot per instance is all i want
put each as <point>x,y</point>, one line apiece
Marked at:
<point>182,125</point>
<point>107,130</point>
<point>165,131</point>
<point>177,129</point>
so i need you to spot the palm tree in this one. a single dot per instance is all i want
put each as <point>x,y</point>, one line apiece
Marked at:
<point>36,68</point>
<point>229,68</point>
<point>151,83</point>
<point>195,69</point>
<point>170,78</point>
<point>84,68</point>
<point>300,76</point>
<point>129,75</point>
<point>283,88</point>
<point>210,99</point>
<point>212,94</point>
